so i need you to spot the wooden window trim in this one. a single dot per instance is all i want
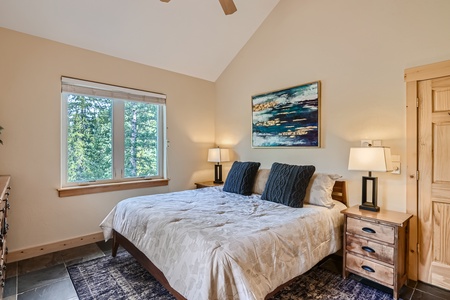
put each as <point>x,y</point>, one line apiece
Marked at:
<point>110,187</point>
<point>118,95</point>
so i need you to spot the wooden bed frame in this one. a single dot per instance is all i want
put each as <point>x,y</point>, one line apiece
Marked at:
<point>339,193</point>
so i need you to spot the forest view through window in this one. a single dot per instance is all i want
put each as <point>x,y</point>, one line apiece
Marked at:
<point>110,133</point>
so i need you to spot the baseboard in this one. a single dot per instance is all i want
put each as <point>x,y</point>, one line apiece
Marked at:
<point>53,247</point>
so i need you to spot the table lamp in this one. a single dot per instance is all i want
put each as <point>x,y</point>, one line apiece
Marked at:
<point>218,155</point>
<point>371,159</point>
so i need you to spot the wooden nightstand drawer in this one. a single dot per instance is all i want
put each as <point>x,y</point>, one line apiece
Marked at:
<point>381,232</point>
<point>370,269</point>
<point>370,249</point>
<point>375,246</point>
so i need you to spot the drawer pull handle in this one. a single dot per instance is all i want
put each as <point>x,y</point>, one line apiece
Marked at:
<point>368,269</point>
<point>368,249</point>
<point>368,230</point>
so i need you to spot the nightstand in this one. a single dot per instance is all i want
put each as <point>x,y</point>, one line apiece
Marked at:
<point>207,184</point>
<point>375,246</point>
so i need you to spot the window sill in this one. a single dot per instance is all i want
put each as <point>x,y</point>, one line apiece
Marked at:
<point>110,187</point>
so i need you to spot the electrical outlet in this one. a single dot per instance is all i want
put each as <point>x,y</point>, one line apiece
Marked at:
<point>366,143</point>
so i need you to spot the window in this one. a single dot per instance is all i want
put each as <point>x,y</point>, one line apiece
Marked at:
<point>110,134</point>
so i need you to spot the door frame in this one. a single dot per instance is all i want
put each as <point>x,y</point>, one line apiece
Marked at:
<point>412,76</point>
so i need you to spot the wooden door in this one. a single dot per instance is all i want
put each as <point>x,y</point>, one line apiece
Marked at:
<point>434,181</point>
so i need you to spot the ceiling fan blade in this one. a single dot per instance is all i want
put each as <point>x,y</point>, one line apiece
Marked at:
<point>227,6</point>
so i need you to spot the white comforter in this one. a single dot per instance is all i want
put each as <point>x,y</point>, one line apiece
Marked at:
<point>216,245</point>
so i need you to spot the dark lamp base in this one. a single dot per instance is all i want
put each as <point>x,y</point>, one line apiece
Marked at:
<point>218,173</point>
<point>369,206</point>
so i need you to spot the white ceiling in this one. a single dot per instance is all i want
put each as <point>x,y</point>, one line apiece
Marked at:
<point>192,37</point>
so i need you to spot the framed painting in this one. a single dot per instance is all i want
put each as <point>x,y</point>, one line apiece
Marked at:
<point>287,118</point>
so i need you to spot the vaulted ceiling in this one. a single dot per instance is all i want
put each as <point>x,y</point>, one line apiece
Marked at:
<point>191,37</point>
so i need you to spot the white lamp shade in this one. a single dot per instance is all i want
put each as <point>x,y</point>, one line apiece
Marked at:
<point>377,159</point>
<point>218,155</point>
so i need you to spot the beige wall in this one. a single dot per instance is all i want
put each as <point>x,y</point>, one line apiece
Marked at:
<point>358,49</point>
<point>30,71</point>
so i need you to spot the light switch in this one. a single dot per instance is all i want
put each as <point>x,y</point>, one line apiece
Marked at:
<point>377,143</point>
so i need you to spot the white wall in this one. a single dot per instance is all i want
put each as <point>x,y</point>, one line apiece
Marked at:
<point>30,72</point>
<point>358,49</point>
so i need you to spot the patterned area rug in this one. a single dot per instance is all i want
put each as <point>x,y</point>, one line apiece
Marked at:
<point>123,278</point>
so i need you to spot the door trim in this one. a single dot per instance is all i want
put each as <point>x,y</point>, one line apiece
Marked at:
<point>412,76</point>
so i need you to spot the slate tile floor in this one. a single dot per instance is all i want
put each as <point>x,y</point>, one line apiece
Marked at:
<point>45,277</point>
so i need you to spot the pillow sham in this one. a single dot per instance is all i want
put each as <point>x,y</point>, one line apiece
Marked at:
<point>287,184</point>
<point>241,177</point>
<point>260,181</point>
<point>320,188</point>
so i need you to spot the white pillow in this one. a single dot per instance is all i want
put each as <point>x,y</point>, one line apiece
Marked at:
<point>260,181</point>
<point>320,188</point>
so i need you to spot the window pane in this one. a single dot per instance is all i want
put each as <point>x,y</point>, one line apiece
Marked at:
<point>141,139</point>
<point>89,138</point>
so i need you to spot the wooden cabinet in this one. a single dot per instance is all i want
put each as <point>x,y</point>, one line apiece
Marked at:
<point>375,246</point>
<point>4,207</point>
<point>204,184</point>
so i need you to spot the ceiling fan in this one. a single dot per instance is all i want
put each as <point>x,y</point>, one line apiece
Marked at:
<point>227,6</point>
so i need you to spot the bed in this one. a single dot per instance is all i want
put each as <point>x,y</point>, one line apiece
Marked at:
<point>212,244</point>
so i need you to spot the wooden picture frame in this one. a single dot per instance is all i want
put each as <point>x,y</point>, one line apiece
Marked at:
<point>287,118</point>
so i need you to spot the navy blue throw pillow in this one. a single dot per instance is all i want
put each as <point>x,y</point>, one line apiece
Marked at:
<point>287,184</point>
<point>241,178</point>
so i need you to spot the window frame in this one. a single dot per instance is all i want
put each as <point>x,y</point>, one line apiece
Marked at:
<point>118,95</point>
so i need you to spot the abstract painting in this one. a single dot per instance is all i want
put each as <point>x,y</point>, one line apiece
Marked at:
<point>287,118</point>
